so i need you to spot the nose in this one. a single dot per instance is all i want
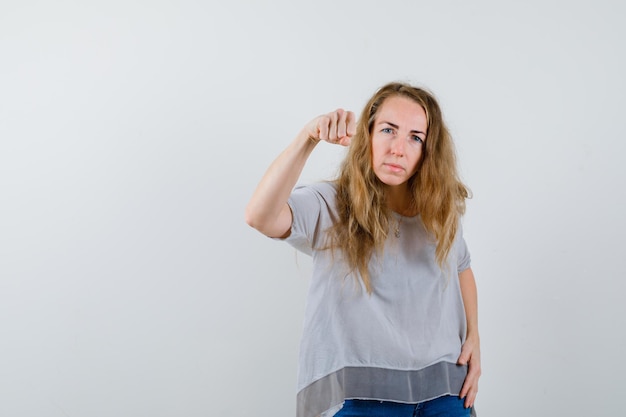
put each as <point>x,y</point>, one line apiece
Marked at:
<point>397,146</point>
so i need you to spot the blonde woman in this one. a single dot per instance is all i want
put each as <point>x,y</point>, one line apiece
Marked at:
<point>391,325</point>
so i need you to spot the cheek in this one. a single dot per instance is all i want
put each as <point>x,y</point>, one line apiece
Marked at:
<point>377,152</point>
<point>417,160</point>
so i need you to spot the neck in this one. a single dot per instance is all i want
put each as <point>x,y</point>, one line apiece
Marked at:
<point>399,199</point>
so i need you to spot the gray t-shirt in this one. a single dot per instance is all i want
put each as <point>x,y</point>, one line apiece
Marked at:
<point>399,343</point>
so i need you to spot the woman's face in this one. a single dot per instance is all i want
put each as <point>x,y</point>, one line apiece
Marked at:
<point>398,137</point>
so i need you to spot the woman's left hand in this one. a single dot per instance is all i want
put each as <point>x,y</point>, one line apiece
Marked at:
<point>470,356</point>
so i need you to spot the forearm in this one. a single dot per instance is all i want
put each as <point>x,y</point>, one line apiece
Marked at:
<point>470,351</point>
<point>470,301</point>
<point>266,211</point>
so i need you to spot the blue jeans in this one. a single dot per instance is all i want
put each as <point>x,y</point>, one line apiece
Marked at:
<point>446,406</point>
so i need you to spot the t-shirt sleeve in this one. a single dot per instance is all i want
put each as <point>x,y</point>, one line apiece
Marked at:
<point>310,208</point>
<point>464,259</point>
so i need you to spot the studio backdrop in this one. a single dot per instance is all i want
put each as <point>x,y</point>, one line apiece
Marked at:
<point>132,134</point>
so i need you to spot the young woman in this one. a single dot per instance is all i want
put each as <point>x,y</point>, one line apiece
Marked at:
<point>391,318</point>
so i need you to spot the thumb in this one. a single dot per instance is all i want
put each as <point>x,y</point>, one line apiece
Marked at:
<point>351,120</point>
<point>464,356</point>
<point>345,141</point>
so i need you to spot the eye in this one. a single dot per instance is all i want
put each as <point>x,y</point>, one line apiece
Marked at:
<point>386,130</point>
<point>417,139</point>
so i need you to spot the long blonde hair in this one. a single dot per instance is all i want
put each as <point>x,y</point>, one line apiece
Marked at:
<point>437,192</point>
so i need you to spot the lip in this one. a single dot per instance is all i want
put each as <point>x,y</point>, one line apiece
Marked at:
<point>394,167</point>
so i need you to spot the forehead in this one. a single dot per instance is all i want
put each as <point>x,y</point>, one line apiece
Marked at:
<point>402,111</point>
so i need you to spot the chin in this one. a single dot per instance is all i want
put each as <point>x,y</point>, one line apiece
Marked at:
<point>393,182</point>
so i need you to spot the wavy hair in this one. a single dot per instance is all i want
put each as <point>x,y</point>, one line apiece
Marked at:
<point>437,193</point>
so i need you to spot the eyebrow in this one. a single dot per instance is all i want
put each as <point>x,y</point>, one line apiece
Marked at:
<point>395,126</point>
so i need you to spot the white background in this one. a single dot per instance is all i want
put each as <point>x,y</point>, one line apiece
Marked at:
<point>132,134</point>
